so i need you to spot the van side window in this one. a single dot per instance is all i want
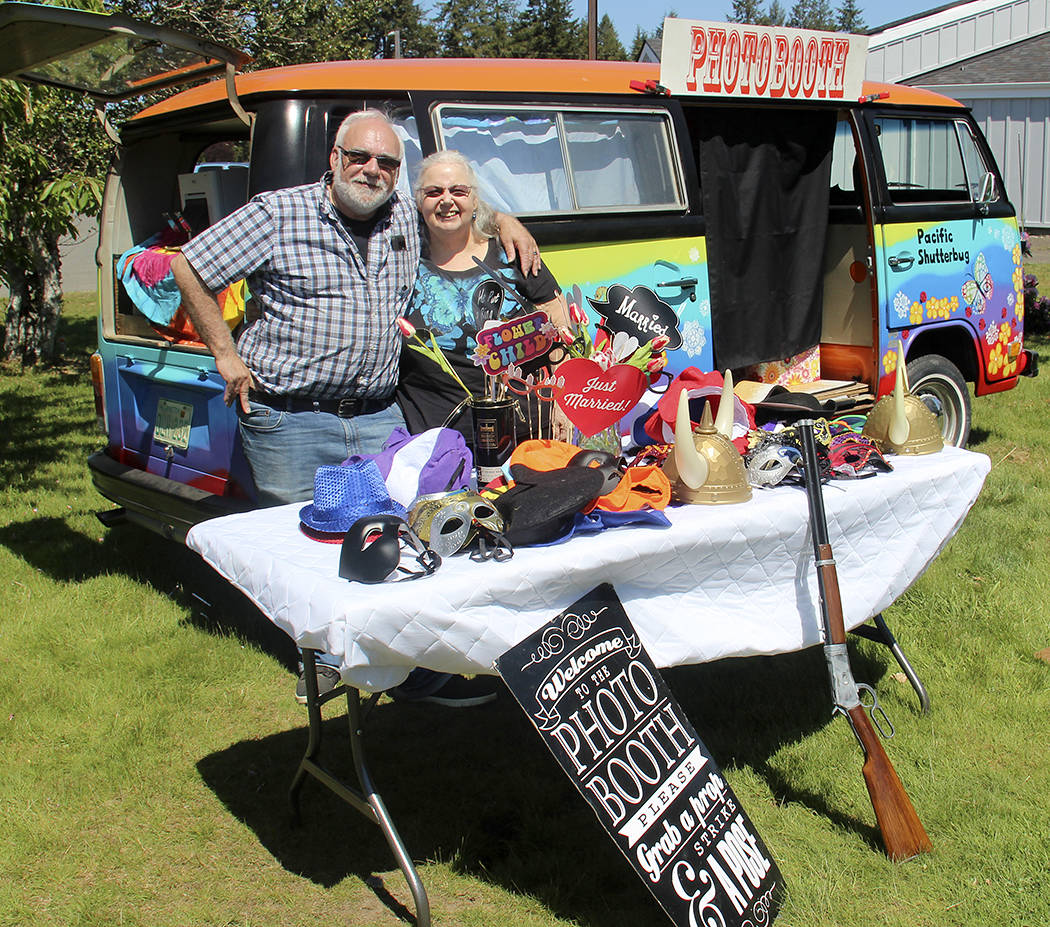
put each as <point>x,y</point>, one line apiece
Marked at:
<point>405,126</point>
<point>973,163</point>
<point>844,167</point>
<point>569,160</point>
<point>924,160</point>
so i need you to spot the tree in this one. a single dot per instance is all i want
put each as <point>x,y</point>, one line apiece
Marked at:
<point>418,38</point>
<point>546,29</point>
<point>848,17</point>
<point>50,159</point>
<point>273,32</point>
<point>476,28</point>
<point>609,46</point>
<point>811,14</point>
<point>774,16</point>
<point>654,37</point>
<point>746,11</point>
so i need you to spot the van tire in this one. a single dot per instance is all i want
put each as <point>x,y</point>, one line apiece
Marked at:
<point>938,378</point>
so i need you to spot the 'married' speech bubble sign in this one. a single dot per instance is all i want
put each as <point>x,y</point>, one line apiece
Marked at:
<point>639,312</point>
<point>601,706</point>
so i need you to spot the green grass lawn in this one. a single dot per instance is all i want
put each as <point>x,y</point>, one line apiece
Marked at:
<point>147,741</point>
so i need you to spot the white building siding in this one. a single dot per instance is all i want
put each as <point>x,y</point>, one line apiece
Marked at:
<point>930,42</point>
<point>1016,121</point>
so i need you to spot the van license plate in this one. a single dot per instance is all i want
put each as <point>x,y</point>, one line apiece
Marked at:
<point>173,423</point>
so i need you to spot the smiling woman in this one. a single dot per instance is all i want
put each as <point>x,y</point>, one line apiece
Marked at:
<point>454,297</point>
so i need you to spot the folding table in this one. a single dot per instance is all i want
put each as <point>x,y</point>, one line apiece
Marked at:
<point>721,581</point>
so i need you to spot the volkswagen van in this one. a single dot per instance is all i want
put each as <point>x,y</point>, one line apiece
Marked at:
<point>752,198</point>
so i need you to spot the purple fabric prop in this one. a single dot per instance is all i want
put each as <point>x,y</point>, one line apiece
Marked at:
<point>437,460</point>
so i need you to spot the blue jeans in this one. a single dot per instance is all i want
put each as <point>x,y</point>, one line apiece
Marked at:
<point>284,449</point>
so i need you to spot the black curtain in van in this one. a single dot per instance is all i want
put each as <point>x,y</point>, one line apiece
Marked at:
<point>765,177</point>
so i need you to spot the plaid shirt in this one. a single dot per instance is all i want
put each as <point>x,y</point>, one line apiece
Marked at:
<point>327,320</point>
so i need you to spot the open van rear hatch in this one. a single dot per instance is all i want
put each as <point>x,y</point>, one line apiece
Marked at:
<point>109,57</point>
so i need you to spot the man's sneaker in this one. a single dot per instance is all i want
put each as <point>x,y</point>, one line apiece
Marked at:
<point>327,679</point>
<point>460,692</point>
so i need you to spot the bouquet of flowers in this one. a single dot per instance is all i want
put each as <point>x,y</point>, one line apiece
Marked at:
<point>609,348</point>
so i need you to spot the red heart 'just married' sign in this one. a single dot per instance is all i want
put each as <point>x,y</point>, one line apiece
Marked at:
<point>592,398</point>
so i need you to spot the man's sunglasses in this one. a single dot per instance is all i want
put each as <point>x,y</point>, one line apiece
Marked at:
<point>360,158</point>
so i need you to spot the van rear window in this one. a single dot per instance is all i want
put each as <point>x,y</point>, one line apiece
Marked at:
<point>568,160</point>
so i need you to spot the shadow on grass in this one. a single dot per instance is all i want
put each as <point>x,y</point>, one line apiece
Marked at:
<point>478,790</point>
<point>42,412</point>
<point>173,570</point>
<point>32,439</point>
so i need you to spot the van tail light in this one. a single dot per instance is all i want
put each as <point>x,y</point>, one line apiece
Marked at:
<point>98,384</point>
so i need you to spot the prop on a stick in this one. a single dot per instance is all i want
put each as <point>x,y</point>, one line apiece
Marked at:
<point>902,832</point>
<point>593,398</point>
<point>604,378</point>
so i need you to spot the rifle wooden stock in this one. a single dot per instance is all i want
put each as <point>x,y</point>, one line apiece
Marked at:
<point>902,832</point>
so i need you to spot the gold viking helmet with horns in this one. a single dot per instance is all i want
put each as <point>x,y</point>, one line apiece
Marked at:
<point>901,423</point>
<point>705,467</point>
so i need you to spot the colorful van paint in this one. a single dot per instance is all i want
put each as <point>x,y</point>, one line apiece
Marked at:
<point>651,281</point>
<point>962,273</point>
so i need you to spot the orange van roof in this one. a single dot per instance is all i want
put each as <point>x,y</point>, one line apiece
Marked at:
<point>465,74</point>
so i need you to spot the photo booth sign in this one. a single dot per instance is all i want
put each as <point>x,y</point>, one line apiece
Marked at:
<point>601,706</point>
<point>763,62</point>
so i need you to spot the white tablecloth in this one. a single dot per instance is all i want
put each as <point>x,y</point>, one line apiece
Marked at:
<point>722,581</point>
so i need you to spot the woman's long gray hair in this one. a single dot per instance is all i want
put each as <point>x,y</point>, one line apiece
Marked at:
<point>484,216</point>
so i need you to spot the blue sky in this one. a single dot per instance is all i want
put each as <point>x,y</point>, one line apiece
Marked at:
<point>628,15</point>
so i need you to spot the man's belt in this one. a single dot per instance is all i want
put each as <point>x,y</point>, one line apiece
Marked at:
<point>344,408</point>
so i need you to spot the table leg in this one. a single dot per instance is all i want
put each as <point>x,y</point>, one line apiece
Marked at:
<point>365,799</point>
<point>882,634</point>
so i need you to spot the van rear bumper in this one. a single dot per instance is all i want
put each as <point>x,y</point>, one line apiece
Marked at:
<point>155,502</point>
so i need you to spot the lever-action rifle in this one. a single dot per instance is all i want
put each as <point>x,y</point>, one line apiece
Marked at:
<point>902,831</point>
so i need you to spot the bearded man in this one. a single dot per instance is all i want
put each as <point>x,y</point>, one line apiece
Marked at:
<point>330,266</point>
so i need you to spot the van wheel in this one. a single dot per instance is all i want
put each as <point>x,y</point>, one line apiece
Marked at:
<point>938,383</point>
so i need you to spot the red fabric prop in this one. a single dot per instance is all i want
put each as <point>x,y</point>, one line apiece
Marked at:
<point>660,425</point>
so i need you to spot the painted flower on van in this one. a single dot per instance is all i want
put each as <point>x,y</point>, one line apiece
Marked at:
<point>694,338</point>
<point>995,360</point>
<point>889,361</point>
<point>941,308</point>
<point>900,305</point>
<point>1000,364</point>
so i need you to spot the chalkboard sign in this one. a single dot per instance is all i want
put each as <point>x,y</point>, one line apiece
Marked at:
<point>601,706</point>
<point>638,312</point>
